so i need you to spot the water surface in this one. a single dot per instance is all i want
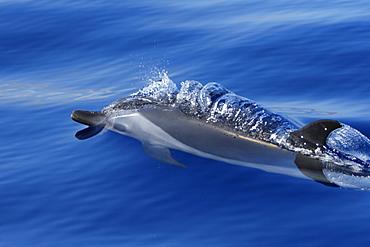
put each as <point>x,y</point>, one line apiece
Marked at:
<point>308,60</point>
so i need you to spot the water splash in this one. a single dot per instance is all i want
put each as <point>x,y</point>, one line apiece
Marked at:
<point>347,181</point>
<point>158,91</point>
<point>214,104</point>
<point>161,89</point>
<point>218,105</point>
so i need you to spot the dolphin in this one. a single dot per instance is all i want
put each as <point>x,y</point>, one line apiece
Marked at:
<point>212,122</point>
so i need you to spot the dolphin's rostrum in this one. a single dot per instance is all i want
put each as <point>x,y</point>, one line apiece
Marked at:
<point>212,122</point>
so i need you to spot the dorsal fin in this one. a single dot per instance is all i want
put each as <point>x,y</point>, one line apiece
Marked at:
<point>313,135</point>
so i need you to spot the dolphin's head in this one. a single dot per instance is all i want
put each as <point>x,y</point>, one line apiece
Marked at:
<point>116,116</point>
<point>98,120</point>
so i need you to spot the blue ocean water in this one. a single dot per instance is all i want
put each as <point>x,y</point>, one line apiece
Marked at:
<point>307,59</point>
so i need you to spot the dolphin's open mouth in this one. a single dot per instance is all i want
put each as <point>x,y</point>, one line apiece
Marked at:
<point>94,119</point>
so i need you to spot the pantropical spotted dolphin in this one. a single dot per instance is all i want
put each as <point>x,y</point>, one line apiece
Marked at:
<point>212,122</point>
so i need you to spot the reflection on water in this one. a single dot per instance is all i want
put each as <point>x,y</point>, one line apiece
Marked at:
<point>296,111</point>
<point>29,93</point>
